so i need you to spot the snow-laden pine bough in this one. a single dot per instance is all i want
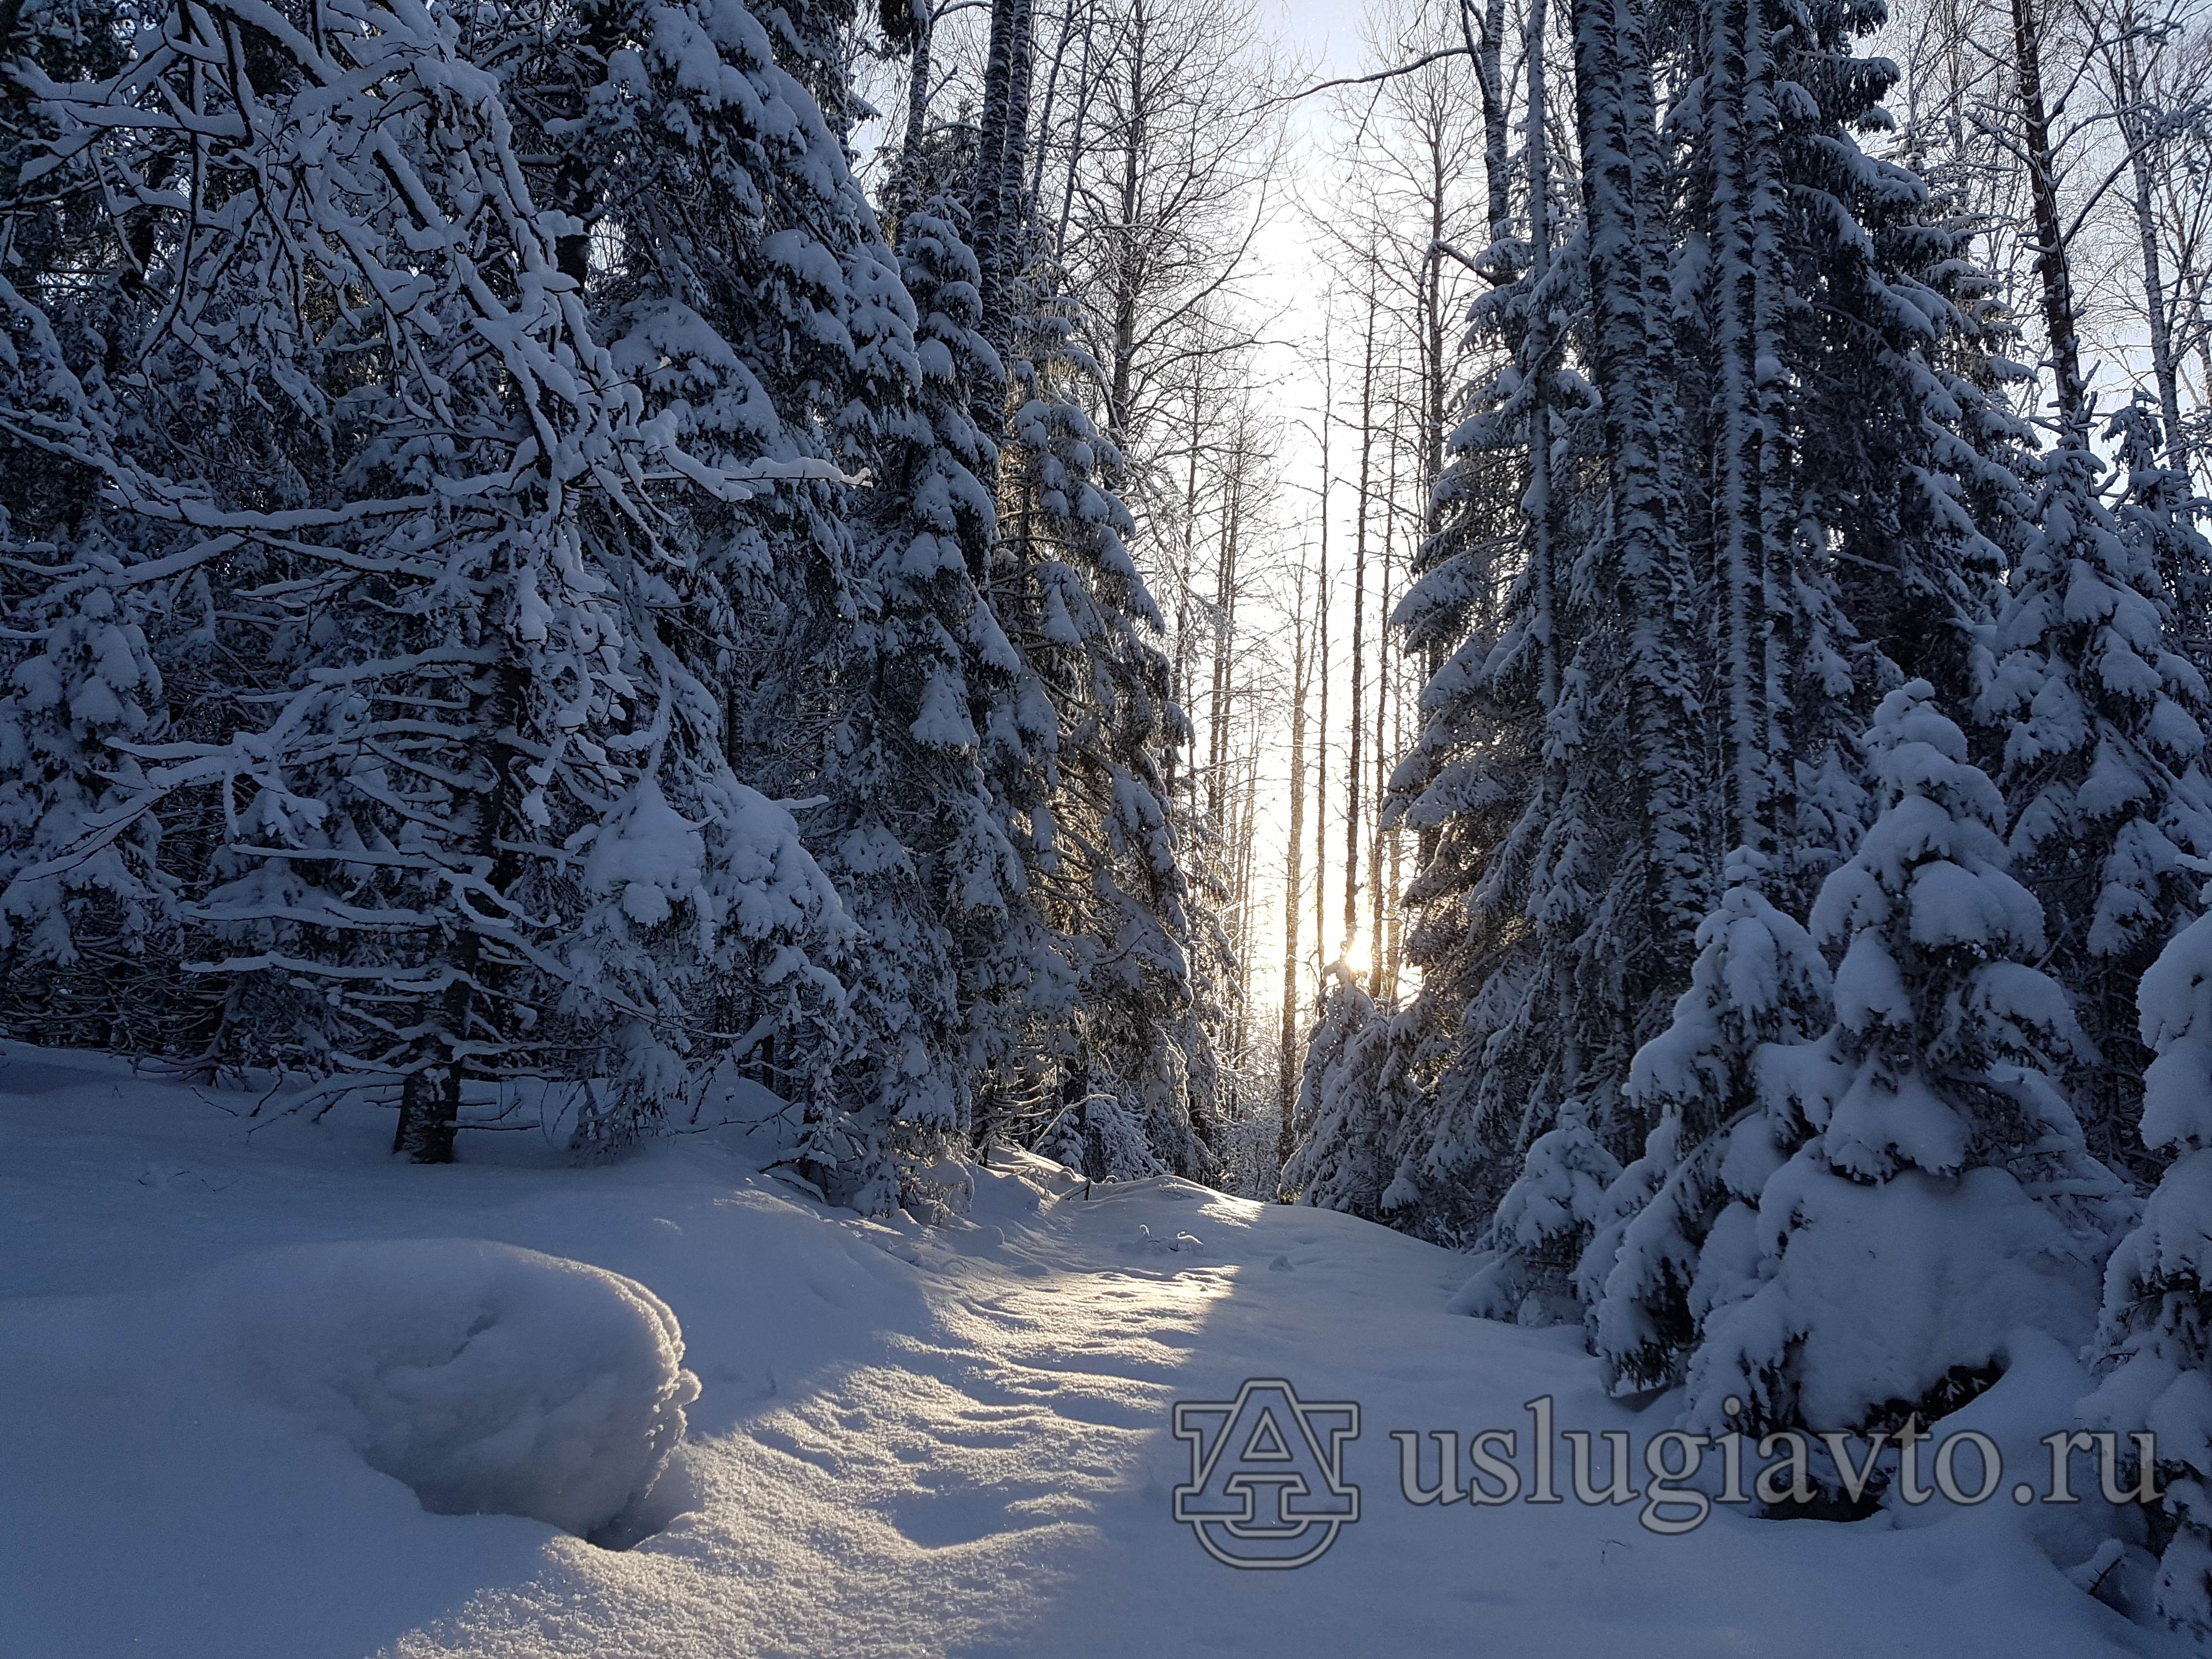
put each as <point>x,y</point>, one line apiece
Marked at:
<point>457,805</point>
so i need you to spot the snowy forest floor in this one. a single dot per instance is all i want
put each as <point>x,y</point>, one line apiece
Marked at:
<point>910,1440</point>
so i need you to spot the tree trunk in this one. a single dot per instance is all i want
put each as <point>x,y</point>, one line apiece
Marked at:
<point>2157,306</point>
<point>429,1115</point>
<point>1002,139</point>
<point>2052,268</point>
<point>1376,964</point>
<point>1127,277</point>
<point>1646,586</point>
<point>1485,45</point>
<point>1352,768</point>
<point>1537,504</point>
<point>1224,639</point>
<point>1320,669</point>
<point>1287,1063</point>
<point>1088,86</point>
<point>1036,187</point>
<point>1745,240</point>
<point>917,110</point>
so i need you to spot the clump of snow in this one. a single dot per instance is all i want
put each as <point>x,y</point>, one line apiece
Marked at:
<point>492,1380</point>
<point>2175,1004</point>
<point>1541,1228</point>
<point>1876,1290</point>
<point>1148,1242</point>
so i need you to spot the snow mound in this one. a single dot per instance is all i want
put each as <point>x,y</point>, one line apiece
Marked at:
<point>1148,1242</point>
<point>491,1379</point>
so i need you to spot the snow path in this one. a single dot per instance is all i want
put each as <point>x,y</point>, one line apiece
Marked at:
<point>910,1441</point>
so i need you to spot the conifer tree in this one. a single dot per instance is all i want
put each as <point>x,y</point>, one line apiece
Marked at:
<point>1811,290</point>
<point>2156,1338</point>
<point>1117,998</point>
<point>80,881</point>
<point>1936,1192</point>
<point>76,929</point>
<point>1758,981</point>
<point>1109,888</point>
<point>750,290</point>
<point>1508,874</point>
<point>1356,1086</point>
<point>2103,728</point>
<point>2157,512</point>
<point>918,840</point>
<point>473,821</point>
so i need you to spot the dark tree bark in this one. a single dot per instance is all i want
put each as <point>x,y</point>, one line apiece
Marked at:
<point>2052,272</point>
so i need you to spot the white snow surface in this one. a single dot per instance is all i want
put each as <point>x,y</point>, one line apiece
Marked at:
<point>488,1379</point>
<point>907,1440</point>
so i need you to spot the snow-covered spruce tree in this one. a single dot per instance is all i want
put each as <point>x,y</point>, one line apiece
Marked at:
<point>1115,997</point>
<point>2103,725</point>
<point>1360,1080</point>
<point>740,278</point>
<point>1856,485</point>
<point>1328,1137</point>
<point>2155,1339</point>
<point>1815,290</point>
<point>1106,995</point>
<point>1758,981</point>
<point>1486,769</point>
<point>475,820</point>
<point>1784,204</point>
<point>1888,363</point>
<point>1891,463</point>
<point>1566,1194</point>
<point>81,885</point>
<point>922,847</point>
<point>1628,685</point>
<point>1937,1193</point>
<point>815,41</point>
<point>2157,512</point>
<point>1510,868</point>
<point>79,959</point>
<point>1537,886</point>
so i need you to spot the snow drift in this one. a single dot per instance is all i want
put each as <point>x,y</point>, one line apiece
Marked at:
<point>491,1379</point>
